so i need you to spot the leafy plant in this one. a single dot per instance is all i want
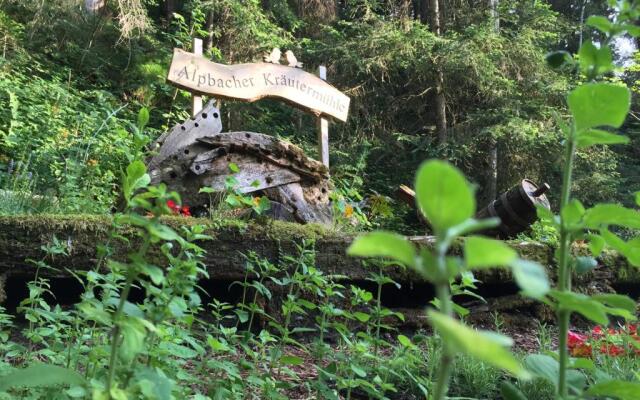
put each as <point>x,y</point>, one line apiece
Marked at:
<point>446,200</point>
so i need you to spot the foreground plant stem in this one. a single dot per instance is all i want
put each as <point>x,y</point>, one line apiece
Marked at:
<point>564,272</point>
<point>444,297</point>
<point>115,335</point>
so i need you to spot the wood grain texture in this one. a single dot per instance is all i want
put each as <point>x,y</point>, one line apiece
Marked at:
<point>254,81</point>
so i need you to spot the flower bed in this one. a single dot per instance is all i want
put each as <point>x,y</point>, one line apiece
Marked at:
<point>623,341</point>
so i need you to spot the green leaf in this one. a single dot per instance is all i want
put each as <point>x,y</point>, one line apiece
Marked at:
<point>599,104</point>
<point>443,195</point>
<point>572,214</point>
<point>136,178</point>
<point>637,195</point>
<point>291,360</point>
<point>599,22</point>
<point>547,367</point>
<point>384,244</point>
<point>585,264</point>
<point>595,61</point>
<point>557,59</point>
<point>611,214</point>
<point>596,244</point>
<point>531,277</point>
<point>616,300</point>
<point>133,336</point>
<point>593,137</point>
<point>143,117</point>
<point>510,392</point>
<point>481,252</point>
<point>206,189</point>
<point>622,390</point>
<point>405,341</point>
<point>362,317</point>
<point>484,346</point>
<point>581,304</point>
<point>233,167</point>
<point>358,371</point>
<point>37,375</point>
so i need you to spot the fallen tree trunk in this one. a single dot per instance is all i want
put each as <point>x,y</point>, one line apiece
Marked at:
<point>21,239</point>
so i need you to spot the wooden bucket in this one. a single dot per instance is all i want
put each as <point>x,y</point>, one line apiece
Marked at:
<point>516,208</point>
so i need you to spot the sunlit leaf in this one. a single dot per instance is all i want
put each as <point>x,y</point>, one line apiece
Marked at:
<point>384,244</point>
<point>599,104</point>
<point>443,195</point>
<point>478,344</point>
<point>531,277</point>
<point>482,252</point>
<point>611,214</point>
<point>593,137</point>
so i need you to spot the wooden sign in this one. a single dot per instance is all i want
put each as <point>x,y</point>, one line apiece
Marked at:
<point>251,82</point>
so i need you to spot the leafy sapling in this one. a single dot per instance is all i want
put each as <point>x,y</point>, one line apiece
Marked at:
<point>446,199</point>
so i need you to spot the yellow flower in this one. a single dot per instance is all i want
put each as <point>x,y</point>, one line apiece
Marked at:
<point>348,211</point>
<point>92,162</point>
<point>256,201</point>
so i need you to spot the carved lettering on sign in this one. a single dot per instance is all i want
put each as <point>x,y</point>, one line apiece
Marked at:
<point>251,82</point>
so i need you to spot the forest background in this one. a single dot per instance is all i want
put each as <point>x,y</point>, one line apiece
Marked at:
<point>460,80</point>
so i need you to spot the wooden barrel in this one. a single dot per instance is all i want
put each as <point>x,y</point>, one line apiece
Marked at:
<point>516,208</point>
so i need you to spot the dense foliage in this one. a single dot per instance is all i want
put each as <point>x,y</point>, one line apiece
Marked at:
<point>71,79</point>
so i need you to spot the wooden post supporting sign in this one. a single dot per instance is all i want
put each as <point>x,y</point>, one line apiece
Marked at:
<point>323,128</point>
<point>196,100</point>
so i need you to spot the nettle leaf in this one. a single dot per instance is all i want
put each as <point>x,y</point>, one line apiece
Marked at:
<point>595,61</point>
<point>611,214</point>
<point>531,277</point>
<point>582,304</point>
<point>600,22</point>
<point>487,347</point>
<point>621,390</point>
<point>592,137</point>
<point>617,301</point>
<point>481,252</point>
<point>599,104</point>
<point>557,59</point>
<point>596,244</point>
<point>443,195</point>
<point>143,117</point>
<point>572,214</point>
<point>291,360</point>
<point>384,244</point>
<point>37,375</point>
<point>136,178</point>
<point>547,367</point>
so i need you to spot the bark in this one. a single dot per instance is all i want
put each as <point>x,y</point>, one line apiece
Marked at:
<point>21,238</point>
<point>441,105</point>
<point>491,190</point>
<point>169,8</point>
<point>208,40</point>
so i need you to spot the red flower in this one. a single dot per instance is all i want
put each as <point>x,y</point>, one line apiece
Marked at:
<point>633,330</point>
<point>581,350</point>
<point>611,349</point>
<point>597,331</point>
<point>185,211</point>
<point>575,339</point>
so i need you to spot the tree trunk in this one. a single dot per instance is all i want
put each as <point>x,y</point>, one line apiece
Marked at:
<point>169,8</point>
<point>491,191</point>
<point>441,105</point>
<point>208,40</point>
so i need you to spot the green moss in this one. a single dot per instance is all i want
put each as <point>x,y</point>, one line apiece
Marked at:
<point>275,230</point>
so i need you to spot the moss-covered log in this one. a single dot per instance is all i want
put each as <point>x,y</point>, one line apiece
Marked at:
<point>21,239</point>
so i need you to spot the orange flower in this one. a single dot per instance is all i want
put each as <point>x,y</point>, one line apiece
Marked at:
<point>348,211</point>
